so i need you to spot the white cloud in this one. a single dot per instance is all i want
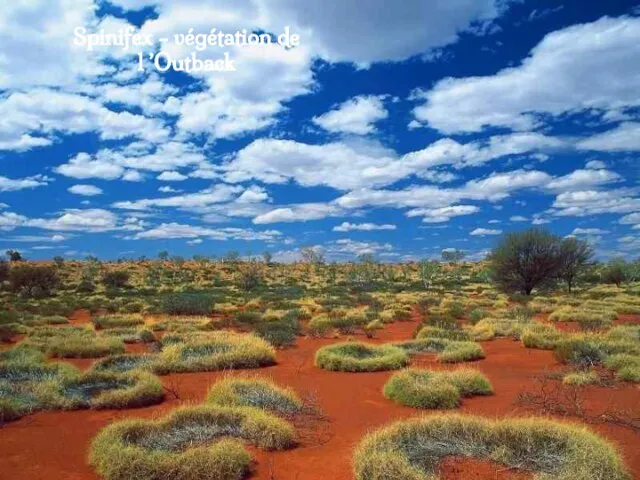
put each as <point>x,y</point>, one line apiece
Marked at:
<point>550,81</point>
<point>518,218</point>
<point>589,231</point>
<point>124,163</point>
<point>355,116</point>
<point>351,247</point>
<point>355,164</point>
<point>15,184</point>
<point>175,230</point>
<point>583,179</point>
<point>624,138</point>
<point>171,176</point>
<point>633,218</point>
<point>299,213</point>
<point>362,227</point>
<point>595,165</point>
<point>219,193</point>
<point>481,232</point>
<point>46,113</point>
<point>444,214</point>
<point>396,30</point>
<point>85,190</point>
<point>594,202</point>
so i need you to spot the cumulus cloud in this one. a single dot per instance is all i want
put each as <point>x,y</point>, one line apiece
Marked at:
<point>483,232</point>
<point>15,184</point>
<point>362,227</point>
<point>550,81</point>
<point>175,230</point>
<point>85,190</point>
<point>355,116</point>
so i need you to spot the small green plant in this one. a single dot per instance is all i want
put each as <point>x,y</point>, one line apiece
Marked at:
<point>429,389</point>
<point>192,442</point>
<point>360,357</point>
<point>254,392</point>
<point>413,449</point>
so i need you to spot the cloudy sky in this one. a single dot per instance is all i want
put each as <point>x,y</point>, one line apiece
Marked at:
<point>395,128</point>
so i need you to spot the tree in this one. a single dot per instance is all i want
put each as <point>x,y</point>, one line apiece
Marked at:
<point>58,260</point>
<point>312,255</point>
<point>232,256</point>
<point>115,279</point>
<point>526,260</point>
<point>615,272</point>
<point>33,280</point>
<point>14,256</point>
<point>575,256</point>
<point>429,269</point>
<point>452,255</point>
<point>163,255</point>
<point>250,276</point>
<point>267,257</point>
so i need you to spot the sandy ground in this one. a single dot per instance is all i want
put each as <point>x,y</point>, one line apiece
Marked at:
<point>54,445</point>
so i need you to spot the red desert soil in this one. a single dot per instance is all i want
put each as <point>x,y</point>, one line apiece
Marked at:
<point>54,445</point>
<point>462,468</point>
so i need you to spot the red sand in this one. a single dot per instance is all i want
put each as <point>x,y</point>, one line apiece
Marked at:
<point>54,445</point>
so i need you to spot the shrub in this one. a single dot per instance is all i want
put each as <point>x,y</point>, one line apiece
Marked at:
<point>319,326</point>
<point>112,390</point>
<point>525,260</point>
<point>412,449</point>
<point>33,280</point>
<point>578,351</point>
<point>280,333</point>
<point>360,357</point>
<point>116,279</point>
<point>254,392</point>
<point>215,351</point>
<point>435,332</point>
<point>83,347</point>
<point>125,362</point>
<point>192,442</point>
<point>117,321</point>
<point>477,314</point>
<point>580,378</point>
<point>188,304</point>
<point>448,351</point>
<point>627,366</point>
<point>544,337</point>
<point>428,389</point>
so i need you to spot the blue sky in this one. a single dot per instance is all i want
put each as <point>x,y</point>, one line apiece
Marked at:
<point>395,128</point>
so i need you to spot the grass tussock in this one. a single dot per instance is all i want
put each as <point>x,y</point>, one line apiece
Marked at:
<point>214,351</point>
<point>254,392</point>
<point>430,389</point>
<point>360,357</point>
<point>412,449</point>
<point>449,351</point>
<point>203,442</point>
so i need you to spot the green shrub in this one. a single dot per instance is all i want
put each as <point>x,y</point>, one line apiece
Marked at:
<point>578,351</point>
<point>360,357</point>
<point>84,347</point>
<point>214,351</point>
<point>413,449</point>
<point>581,378</point>
<point>254,392</point>
<point>114,321</point>
<point>188,304</point>
<point>33,280</point>
<point>192,442</point>
<point>429,389</point>
<point>319,326</point>
<point>116,279</point>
